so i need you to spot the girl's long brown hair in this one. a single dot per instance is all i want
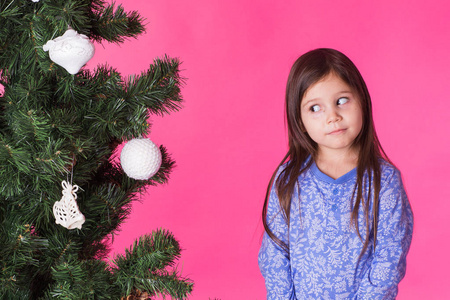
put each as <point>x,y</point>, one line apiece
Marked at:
<point>307,70</point>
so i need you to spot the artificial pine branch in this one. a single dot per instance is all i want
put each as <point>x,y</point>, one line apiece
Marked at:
<point>114,24</point>
<point>144,267</point>
<point>159,87</point>
<point>74,13</point>
<point>19,248</point>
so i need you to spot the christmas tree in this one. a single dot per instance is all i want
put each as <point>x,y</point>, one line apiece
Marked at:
<point>63,194</point>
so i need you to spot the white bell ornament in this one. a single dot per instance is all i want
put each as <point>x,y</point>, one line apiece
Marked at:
<point>140,158</point>
<point>71,50</point>
<point>66,211</point>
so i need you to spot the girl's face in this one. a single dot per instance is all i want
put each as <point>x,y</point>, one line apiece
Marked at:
<point>332,115</point>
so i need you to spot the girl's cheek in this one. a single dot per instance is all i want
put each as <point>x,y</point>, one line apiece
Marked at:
<point>317,115</point>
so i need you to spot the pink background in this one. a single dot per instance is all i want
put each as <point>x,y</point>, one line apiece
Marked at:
<point>230,134</point>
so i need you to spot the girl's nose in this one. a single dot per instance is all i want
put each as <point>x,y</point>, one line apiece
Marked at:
<point>333,116</point>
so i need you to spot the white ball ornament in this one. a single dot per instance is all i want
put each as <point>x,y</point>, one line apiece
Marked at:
<point>140,158</point>
<point>71,50</point>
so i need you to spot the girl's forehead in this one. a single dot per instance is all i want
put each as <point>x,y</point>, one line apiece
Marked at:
<point>328,85</point>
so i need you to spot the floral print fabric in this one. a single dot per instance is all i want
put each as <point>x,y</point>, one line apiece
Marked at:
<point>322,262</point>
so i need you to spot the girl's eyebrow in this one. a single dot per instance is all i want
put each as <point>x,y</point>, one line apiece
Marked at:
<point>345,92</point>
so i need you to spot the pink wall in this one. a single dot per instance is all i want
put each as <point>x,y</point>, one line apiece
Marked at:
<point>230,134</point>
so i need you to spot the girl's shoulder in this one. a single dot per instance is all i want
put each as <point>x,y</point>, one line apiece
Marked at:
<point>285,171</point>
<point>389,172</point>
<point>282,167</point>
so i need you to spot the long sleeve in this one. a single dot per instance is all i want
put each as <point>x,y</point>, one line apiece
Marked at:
<point>273,261</point>
<point>394,238</point>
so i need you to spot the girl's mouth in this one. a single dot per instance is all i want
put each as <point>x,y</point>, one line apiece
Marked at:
<point>337,131</point>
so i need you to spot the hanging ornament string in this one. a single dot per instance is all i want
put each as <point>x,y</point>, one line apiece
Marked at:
<point>71,170</point>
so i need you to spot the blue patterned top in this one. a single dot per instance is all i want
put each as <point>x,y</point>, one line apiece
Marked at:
<point>322,262</point>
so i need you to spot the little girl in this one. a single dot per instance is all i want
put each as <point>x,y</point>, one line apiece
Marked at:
<point>338,223</point>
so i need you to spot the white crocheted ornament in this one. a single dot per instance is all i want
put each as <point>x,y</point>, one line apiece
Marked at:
<point>140,159</point>
<point>66,210</point>
<point>71,50</point>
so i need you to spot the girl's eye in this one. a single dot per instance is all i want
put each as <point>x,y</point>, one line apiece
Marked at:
<point>314,108</point>
<point>342,100</point>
